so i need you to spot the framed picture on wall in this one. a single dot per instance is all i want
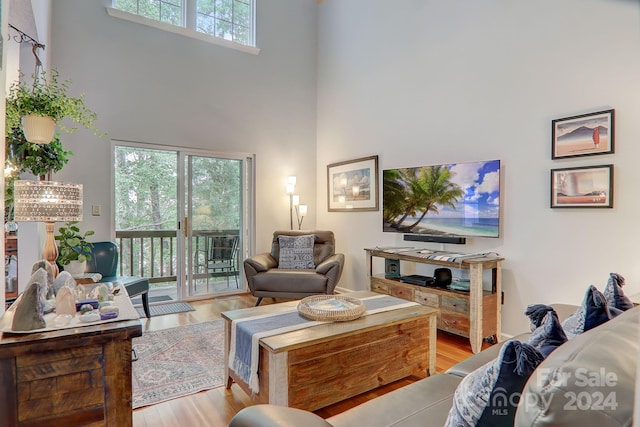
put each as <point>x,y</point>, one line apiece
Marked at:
<point>584,135</point>
<point>353,185</point>
<point>582,187</point>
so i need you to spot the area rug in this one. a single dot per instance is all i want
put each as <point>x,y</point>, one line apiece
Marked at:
<point>178,362</point>
<point>169,308</point>
<point>156,298</point>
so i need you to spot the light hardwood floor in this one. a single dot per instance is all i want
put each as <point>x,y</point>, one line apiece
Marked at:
<point>216,407</point>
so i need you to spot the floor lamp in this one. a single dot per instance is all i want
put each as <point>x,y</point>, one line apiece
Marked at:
<point>48,202</point>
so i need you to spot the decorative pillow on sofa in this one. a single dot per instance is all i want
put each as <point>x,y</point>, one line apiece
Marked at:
<point>489,395</point>
<point>614,294</point>
<point>593,312</point>
<point>296,252</point>
<point>548,334</point>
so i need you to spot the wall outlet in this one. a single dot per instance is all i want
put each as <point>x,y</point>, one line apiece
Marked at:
<point>96,210</point>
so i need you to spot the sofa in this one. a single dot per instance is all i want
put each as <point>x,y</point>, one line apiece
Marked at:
<point>589,380</point>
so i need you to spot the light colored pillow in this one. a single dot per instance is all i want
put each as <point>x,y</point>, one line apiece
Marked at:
<point>296,252</point>
<point>489,395</point>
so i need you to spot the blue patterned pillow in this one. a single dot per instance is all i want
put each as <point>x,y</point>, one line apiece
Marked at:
<point>593,312</point>
<point>614,294</point>
<point>296,252</point>
<point>548,334</point>
<point>489,395</point>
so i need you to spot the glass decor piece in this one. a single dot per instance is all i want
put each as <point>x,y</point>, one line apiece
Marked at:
<point>47,201</point>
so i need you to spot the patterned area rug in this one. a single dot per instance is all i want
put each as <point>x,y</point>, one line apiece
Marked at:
<point>168,308</point>
<point>177,362</point>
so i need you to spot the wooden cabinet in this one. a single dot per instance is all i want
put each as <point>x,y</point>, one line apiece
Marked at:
<point>69,377</point>
<point>475,314</point>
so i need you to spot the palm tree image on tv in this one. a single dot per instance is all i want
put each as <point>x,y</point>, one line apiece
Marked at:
<point>456,199</point>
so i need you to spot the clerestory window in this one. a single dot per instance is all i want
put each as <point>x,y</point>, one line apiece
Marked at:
<point>232,20</point>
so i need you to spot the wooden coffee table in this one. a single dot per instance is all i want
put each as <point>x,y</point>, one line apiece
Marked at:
<point>315,367</point>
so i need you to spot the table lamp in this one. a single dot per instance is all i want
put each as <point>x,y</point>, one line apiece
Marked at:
<point>48,202</point>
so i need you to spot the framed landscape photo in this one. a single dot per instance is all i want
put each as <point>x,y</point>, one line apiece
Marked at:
<point>582,187</point>
<point>353,185</point>
<point>584,135</point>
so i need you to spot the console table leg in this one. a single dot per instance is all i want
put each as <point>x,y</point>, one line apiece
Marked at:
<point>475,302</point>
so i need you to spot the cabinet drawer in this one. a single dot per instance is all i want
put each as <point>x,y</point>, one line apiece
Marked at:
<point>379,287</point>
<point>454,322</point>
<point>426,298</point>
<point>401,292</point>
<point>453,303</point>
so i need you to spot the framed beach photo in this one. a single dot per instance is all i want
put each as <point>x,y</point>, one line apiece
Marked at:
<point>582,187</point>
<point>584,135</point>
<point>353,185</point>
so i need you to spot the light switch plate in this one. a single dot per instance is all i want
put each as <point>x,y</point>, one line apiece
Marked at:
<point>96,210</point>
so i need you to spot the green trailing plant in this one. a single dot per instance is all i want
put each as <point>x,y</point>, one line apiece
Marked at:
<point>73,245</point>
<point>47,96</point>
<point>38,159</point>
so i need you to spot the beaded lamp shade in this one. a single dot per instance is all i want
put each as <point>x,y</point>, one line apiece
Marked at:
<point>47,201</point>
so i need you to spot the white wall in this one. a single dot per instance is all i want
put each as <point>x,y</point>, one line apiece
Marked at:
<point>429,82</point>
<point>151,86</point>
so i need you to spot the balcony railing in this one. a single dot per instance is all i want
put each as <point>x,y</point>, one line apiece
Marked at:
<point>153,254</point>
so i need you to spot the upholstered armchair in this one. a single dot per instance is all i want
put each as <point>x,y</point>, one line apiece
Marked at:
<point>104,260</point>
<point>267,277</point>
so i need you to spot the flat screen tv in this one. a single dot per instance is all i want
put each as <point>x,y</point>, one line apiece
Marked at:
<point>458,199</point>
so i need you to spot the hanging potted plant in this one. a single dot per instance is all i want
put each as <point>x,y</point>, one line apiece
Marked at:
<point>73,250</point>
<point>45,103</point>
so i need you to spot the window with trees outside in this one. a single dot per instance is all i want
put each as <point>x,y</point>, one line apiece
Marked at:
<point>228,19</point>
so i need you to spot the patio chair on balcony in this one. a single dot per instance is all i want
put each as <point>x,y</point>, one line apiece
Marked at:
<point>222,256</point>
<point>104,260</point>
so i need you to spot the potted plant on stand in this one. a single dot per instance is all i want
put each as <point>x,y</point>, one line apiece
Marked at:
<point>42,105</point>
<point>73,249</point>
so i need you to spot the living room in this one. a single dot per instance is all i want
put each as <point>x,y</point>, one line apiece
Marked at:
<point>339,80</point>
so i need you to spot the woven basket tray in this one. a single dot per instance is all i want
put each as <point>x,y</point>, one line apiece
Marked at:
<point>332,308</point>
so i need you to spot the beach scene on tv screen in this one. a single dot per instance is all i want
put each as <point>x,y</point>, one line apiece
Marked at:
<point>458,199</point>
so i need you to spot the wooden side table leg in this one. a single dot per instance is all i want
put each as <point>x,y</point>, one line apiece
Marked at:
<point>227,340</point>
<point>498,275</point>
<point>433,334</point>
<point>475,302</point>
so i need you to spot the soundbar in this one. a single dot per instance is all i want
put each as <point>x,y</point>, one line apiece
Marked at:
<point>456,240</point>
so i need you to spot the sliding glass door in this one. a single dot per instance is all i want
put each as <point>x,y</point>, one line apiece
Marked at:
<point>181,219</point>
<point>213,203</point>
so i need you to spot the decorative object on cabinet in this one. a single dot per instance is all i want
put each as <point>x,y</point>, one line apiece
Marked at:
<point>353,185</point>
<point>584,135</point>
<point>475,314</point>
<point>73,247</point>
<point>582,187</point>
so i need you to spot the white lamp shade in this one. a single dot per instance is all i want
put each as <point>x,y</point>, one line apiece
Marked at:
<point>303,210</point>
<point>47,201</point>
